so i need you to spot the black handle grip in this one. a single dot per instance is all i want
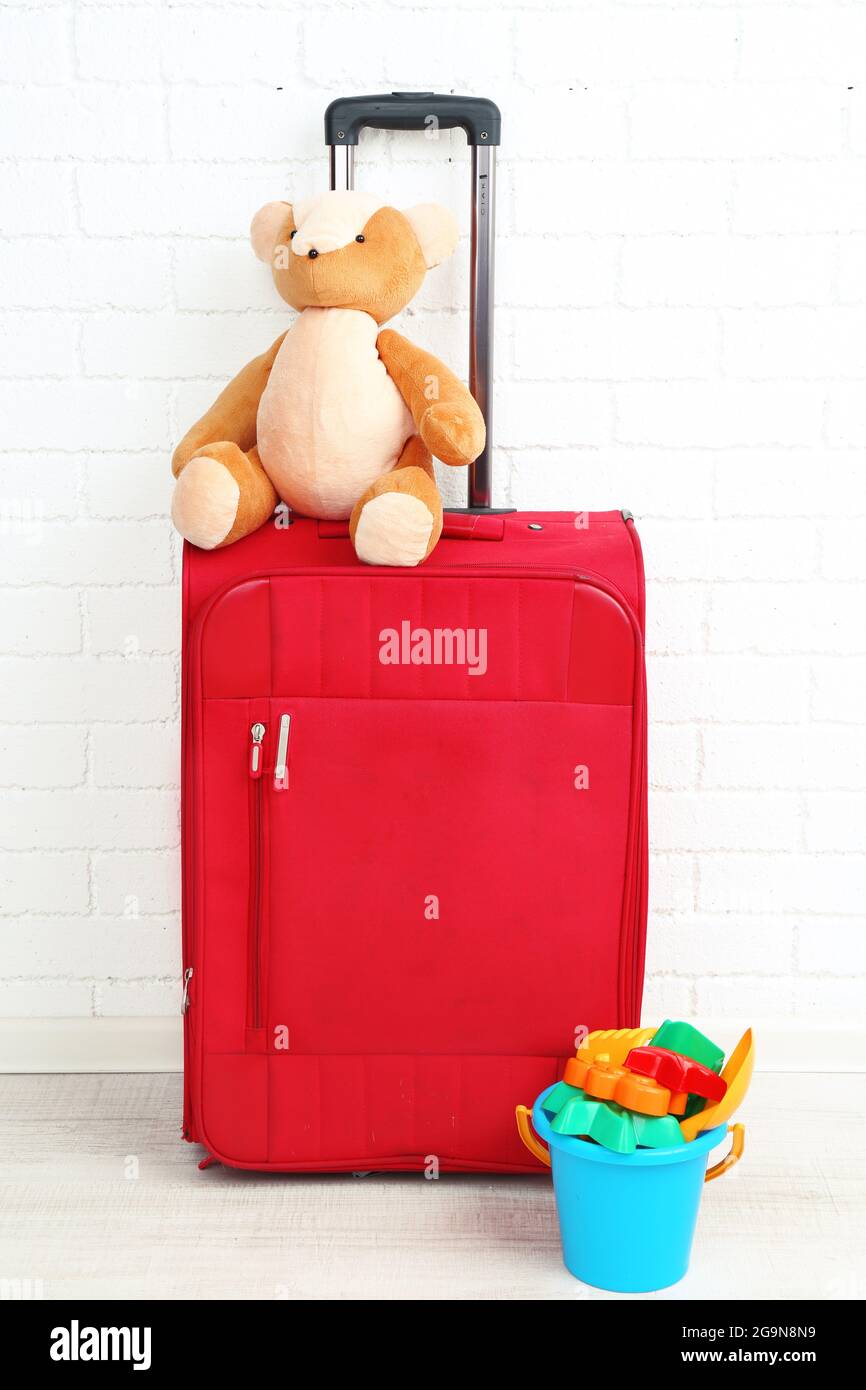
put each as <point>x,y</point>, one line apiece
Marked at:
<point>347,116</point>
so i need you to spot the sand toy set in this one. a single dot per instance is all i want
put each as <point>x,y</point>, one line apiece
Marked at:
<point>627,1132</point>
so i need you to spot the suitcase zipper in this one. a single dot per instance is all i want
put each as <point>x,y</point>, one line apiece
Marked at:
<point>281,766</point>
<point>257,734</point>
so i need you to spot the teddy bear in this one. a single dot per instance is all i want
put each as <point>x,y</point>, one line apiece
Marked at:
<point>340,418</point>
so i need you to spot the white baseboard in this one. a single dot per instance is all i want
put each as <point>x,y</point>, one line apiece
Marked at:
<point>90,1044</point>
<point>155,1044</point>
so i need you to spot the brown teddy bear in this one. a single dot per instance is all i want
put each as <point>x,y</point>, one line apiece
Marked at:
<point>338,418</point>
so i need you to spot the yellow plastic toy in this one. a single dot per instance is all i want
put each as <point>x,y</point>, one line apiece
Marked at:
<point>737,1071</point>
<point>613,1044</point>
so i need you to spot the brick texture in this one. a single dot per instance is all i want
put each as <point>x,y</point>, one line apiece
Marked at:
<point>682,330</point>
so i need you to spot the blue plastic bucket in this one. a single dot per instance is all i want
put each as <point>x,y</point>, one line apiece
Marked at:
<point>627,1220</point>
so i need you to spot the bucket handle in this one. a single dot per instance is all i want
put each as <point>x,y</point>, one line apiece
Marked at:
<point>532,1142</point>
<point>540,1150</point>
<point>734,1154</point>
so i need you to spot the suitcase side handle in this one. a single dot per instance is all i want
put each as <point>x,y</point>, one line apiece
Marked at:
<point>456,526</point>
<point>479,117</point>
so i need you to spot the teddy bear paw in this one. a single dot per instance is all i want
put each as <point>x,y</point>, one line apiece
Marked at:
<point>454,436</point>
<point>393,529</point>
<point>205,502</point>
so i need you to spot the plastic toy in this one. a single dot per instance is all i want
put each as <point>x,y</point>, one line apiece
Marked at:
<point>628,1183</point>
<point>558,1095</point>
<point>676,1072</point>
<point>737,1074</point>
<point>683,1038</point>
<point>613,1044</point>
<point>604,1081</point>
<point>657,1131</point>
<point>609,1124</point>
<point>627,1220</point>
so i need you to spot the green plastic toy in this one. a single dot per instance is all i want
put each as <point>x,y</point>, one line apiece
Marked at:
<point>688,1042</point>
<point>657,1131</point>
<point>558,1096</point>
<point>602,1120</point>
<point>622,1131</point>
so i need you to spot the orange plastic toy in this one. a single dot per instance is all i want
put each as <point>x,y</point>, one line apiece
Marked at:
<point>604,1081</point>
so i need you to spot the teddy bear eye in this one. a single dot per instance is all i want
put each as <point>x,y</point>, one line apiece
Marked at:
<point>293,233</point>
<point>360,238</point>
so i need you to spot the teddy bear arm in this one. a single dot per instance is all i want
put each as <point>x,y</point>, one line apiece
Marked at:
<point>232,417</point>
<point>446,415</point>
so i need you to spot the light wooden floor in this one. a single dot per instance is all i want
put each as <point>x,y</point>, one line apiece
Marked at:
<point>788,1222</point>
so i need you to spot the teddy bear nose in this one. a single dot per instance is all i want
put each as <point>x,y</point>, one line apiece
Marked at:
<point>312,254</point>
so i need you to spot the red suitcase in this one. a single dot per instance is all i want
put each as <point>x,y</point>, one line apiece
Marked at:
<point>414,807</point>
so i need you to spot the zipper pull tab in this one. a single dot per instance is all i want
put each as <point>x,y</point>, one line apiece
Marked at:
<point>281,766</point>
<point>257,733</point>
<point>187,976</point>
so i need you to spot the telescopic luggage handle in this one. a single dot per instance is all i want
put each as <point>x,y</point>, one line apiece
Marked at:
<point>480,119</point>
<point>347,116</point>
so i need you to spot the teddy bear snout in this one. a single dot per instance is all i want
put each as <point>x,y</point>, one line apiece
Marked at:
<point>316,241</point>
<point>304,246</point>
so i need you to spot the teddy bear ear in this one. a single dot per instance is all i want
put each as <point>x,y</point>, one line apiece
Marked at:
<point>266,226</point>
<point>436,230</point>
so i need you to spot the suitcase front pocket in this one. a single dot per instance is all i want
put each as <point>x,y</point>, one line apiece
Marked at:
<point>386,931</point>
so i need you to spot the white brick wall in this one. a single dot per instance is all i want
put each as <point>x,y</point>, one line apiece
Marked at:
<point>682,290</point>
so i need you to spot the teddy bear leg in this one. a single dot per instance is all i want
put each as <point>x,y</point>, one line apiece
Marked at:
<point>220,495</point>
<point>399,519</point>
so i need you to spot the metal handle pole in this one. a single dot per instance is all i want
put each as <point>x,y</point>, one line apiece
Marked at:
<point>341,163</point>
<point>341,166</point>
<point>481,313</point>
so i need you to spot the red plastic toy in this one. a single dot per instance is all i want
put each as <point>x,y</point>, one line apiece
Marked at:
<point>676,1072</point>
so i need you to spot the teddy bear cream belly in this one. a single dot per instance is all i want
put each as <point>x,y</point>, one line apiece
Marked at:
<point>330,421</point>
